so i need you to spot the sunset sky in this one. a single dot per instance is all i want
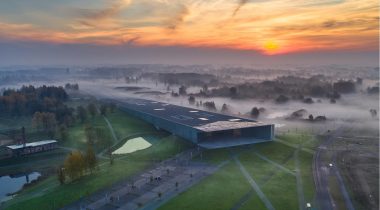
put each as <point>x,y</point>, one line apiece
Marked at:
<point>262,28</point>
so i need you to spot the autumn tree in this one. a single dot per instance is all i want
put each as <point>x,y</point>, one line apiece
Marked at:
<point>74,165</point>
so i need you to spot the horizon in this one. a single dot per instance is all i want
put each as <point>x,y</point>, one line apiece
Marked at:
<point>189,32</point>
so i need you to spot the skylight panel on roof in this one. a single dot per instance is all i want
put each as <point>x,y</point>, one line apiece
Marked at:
<point>160,109</point>
<point>140,104</point>
<point>193,111</point>
<point>204,119</point>
<point>234,120</point>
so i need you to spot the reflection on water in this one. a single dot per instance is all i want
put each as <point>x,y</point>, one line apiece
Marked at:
<point>13,183</point>
<point>133,145</point>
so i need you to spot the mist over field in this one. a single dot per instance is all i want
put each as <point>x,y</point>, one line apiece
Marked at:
<point>141,81</point>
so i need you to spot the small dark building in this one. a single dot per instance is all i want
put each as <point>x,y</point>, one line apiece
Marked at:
<point>31,148</point>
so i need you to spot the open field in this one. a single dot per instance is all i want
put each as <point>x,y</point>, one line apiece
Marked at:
<point>219,191</point>
<point>357,158</point>
<point>271,165</point>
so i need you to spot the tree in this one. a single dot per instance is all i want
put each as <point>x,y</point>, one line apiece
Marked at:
<point>233,91</point>
<point>191,100</point>
<point>92,109</point>
<point>103,109</point>
<point>182,90</point>
<point>282,99</point>
<point>255,112</point>
<point>74,165</point>
<point>210,105</point>
<point>63,134</point>
<point>311,117</point>
<point>45,121</point>
<point>343,86</point>
<point>90,158</point>
<point>61,175</point>
<point>224,108</point>
<point>90,134</point>
<point>110,156</point>
<point>81,114</point>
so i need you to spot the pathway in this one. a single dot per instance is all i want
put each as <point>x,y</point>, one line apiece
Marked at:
<point>301,196</point>
<point>254,185</point>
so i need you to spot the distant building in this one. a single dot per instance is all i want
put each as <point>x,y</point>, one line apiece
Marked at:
<point>31,148</point>
<point>206,129</point>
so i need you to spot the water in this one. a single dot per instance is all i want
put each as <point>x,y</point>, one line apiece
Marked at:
<point>13,183</point>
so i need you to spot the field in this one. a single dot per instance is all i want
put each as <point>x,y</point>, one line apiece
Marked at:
<point>271,165</point>
<point>49,194</point>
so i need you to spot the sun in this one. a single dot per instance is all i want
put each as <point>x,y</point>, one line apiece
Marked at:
<point>271,46</point>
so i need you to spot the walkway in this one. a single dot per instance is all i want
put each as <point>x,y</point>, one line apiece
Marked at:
<point>256,187</point>
<point>151,188</point>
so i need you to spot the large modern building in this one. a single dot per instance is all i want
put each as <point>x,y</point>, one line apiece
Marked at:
<point>206,129</point>
<point>30,148</point>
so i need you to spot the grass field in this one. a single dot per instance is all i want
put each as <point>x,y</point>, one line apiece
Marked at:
<point>124,166</point>
<point>228,188</point>
<point>125,125</point>
<point>48,194</point>
<point>218,191</point>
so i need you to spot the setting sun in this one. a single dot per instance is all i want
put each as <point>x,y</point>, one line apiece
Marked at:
<point>271,47</point>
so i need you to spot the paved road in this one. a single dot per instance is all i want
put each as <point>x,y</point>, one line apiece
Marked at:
<point>342,186</point>
<point>143,191</point>
<point>321,172</point>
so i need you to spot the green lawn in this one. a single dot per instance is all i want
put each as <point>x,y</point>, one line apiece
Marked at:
<point>61,195</point>
<point>219,191</point>
<point>125,125</point>
<point>279,186</point>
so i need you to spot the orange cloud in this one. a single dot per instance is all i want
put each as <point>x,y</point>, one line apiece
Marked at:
<point>271,27</point>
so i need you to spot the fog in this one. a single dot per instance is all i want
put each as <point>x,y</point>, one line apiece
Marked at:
<point>351,110</point>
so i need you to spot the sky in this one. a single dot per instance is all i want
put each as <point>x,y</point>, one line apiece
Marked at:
<point>188,31</point>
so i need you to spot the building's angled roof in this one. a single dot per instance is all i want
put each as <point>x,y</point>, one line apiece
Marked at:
<point>31,144</point>
<point>198,119</point>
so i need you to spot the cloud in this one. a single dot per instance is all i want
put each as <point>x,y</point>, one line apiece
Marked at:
<point>240,5</point>
<point>173,23</point>
<point>101,18</point>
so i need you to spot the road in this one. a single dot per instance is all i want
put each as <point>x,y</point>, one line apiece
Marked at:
<point>321,172</point>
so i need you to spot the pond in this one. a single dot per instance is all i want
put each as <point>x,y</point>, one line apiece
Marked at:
<point>133,145</point>
<point>13,183</point>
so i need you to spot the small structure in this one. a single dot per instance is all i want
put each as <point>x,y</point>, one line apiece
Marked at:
<point>31,148</point>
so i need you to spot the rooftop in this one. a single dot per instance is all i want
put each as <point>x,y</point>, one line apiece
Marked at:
<point>31,144</point>
<point>195,118</point>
